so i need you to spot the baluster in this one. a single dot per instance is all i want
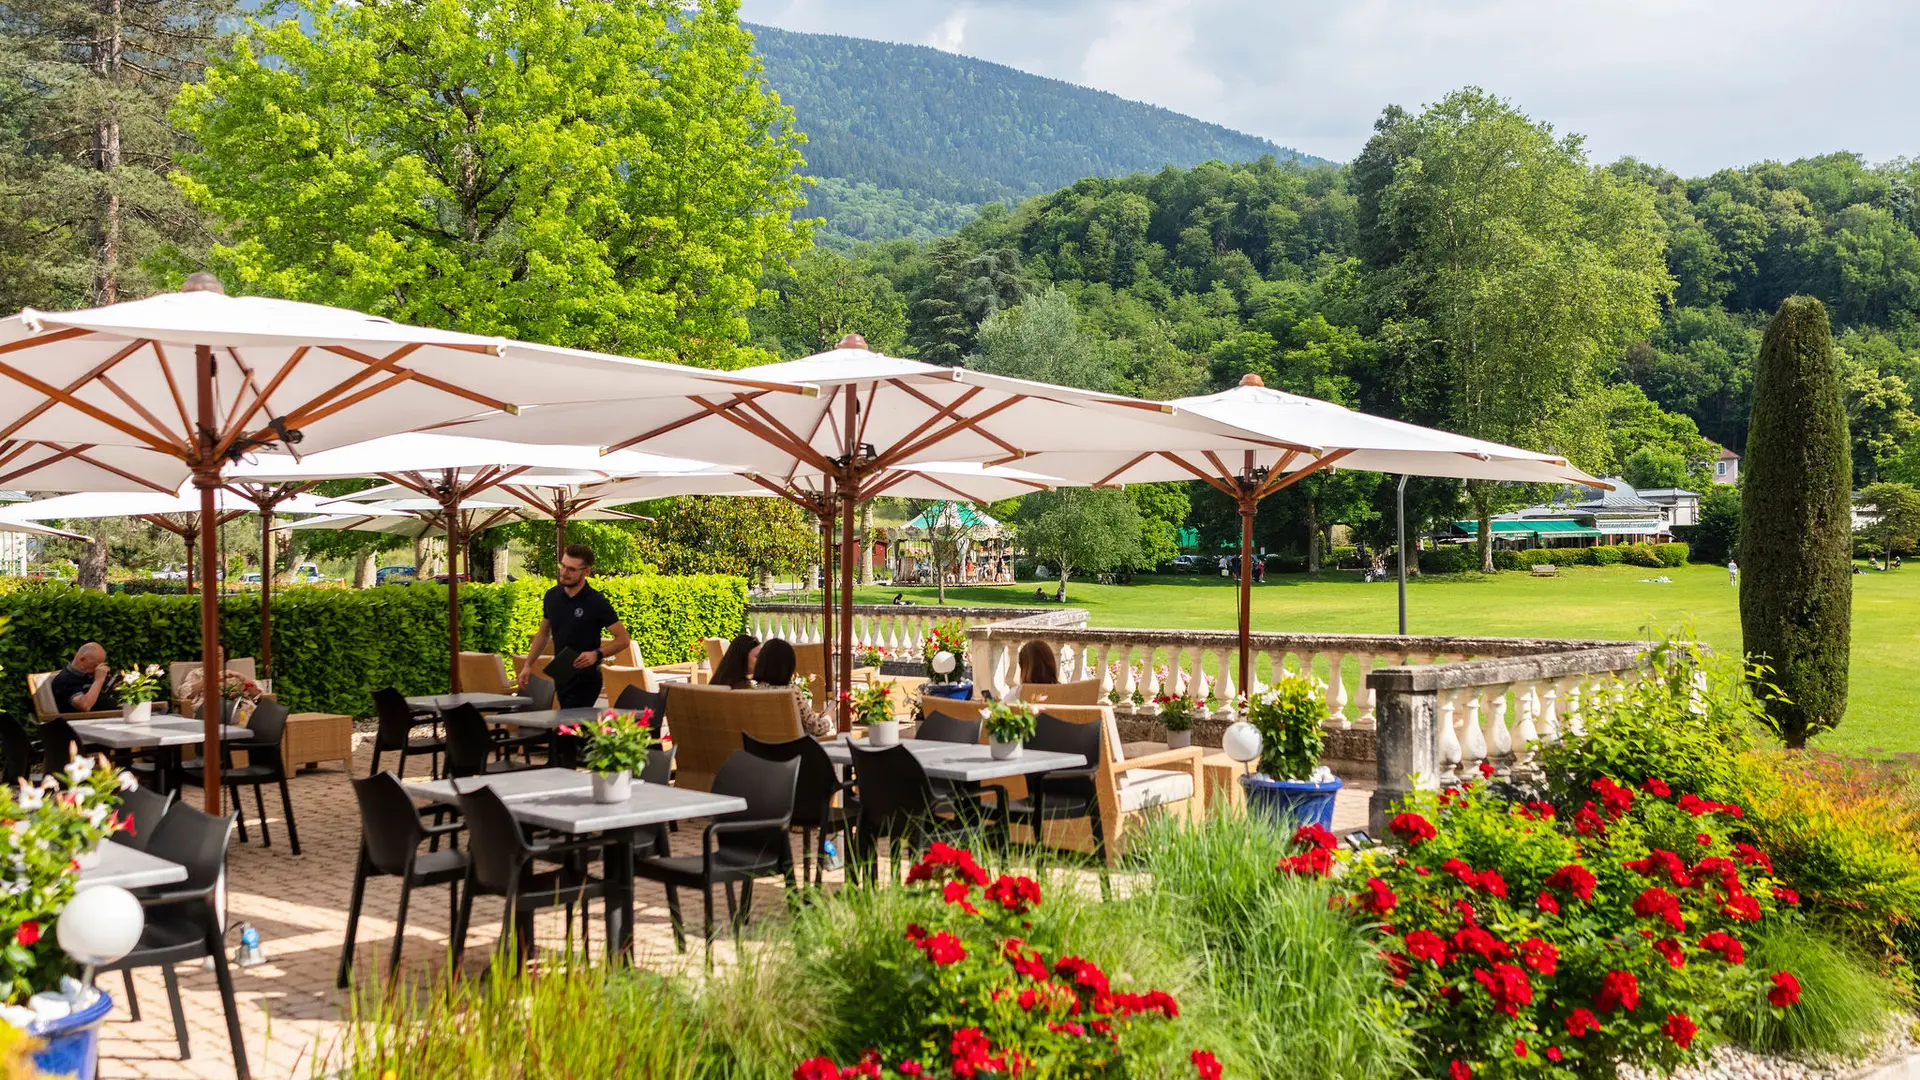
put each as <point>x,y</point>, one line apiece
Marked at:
<point>1103,671</point>
<point>1525,734</point>
<point>1363,665</point>
<point>1473,744</point>
<point>1229,660</point>
<point>1196,675</point>
<point>1154,687</point>
<point>1337,691</point>
<point>1550,712</point>
<point>1449,717</point>
<point>1499,736</point>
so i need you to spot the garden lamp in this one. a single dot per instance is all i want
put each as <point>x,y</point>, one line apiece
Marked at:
<point>1241,742</point>
<point>98,926</point>
<point>943,662</point>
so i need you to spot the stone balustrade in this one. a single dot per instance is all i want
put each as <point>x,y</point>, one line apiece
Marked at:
<point>900,631</point>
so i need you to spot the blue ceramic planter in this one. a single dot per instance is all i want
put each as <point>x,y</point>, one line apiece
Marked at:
<point>1300,803</point>
<point>959,691</point>
<point>72,1043</point>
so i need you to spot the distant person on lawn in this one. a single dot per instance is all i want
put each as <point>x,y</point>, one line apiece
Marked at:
<point>86,684</point>
<point>573,615</point>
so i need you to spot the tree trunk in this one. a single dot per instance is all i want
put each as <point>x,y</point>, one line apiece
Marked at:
<point>364,571</point>
<point>105,62</point>
<point>866,543</point>
<point>1483,510</point>
<point>500,563</point>
<point>420,556</point>
<point>1313,536</point>
<point>93,566</point>
<point>1065,572</point>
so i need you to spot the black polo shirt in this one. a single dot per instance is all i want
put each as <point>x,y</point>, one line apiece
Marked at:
<point>68,682</point>
<point>578,620</point>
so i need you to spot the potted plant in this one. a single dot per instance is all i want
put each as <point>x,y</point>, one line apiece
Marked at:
<point>1009,726</point>
<point>1292,784</point>
<point>235,690</point>
<point>944,652</point>
<point>1176,715</point>
<point>615,747</point>
<point>873,707</point>
<point>139,689</point>
<point>871,656</point>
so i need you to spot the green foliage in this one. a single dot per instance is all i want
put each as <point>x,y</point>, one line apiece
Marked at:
<point>1717,536</point>
<point>618,742</point>
<point>1290,716</point>
<point>1091,529</point>
<point>1294,988</point>
<point>824,296</point>
<point>1893,511</point>
<point>1651,468</point>
<point>1451,559</point>
<point>1010,722</point>
<point>1040,339</point>
<point>1843,1004</point>
<point>333,647</point>
<point>622,146</point>
<point>1607,555</point>
<point>1163,509</point>
<point>1796,544</point>
<point>750,538</point>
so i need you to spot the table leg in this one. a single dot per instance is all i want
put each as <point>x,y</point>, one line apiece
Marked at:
<point>166,764</point>
<point>618,876</point>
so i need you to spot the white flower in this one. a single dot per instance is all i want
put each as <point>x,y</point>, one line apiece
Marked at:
<point>79,769</point>
<point>29,798</point>
<point>127,781</point>
<point>97,816</point>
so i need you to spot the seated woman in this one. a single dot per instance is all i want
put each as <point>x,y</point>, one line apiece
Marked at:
<point>735,668</point>
<point>1038,667</point>
<point>233,685</point>
<point>775,669</point>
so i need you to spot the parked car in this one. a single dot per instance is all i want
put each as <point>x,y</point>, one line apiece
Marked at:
<point>1190,564</point>
<point>170,573</point>
<point>307,574</point>
<point>250,579</point>
<point>394,575</point>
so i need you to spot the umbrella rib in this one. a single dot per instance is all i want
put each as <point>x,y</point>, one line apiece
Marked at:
<point>101,369</point>
<point>260,398</point>
<point>1108,479</point>
<point>26,446</point>
<point>1216,482</point>
<point>949,487</point>
<point>131,402</point>
<point>708,408</point>
<point>91,411</point>
<point>940,412</point>
<point>764,427</point>
<point>1279,470</point>
<point>1318,463</point>
<point>372,367</point>
<point>80,454</point>
<point>872,392</point>
<point>301,419</point>
<point>38,340</point>
<point>173,388</point>
<point>899,453</point>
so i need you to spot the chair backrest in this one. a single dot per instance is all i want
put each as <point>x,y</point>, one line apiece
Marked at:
<point>496,850</point>
<point>484,673</point>
<point>468,742</point>
<point>934,705</point>
<point>716,649</point>
<point>1067,737</point>
<point>768,787</point>
<point>177,671</point>
<point>56,744</point>
<point>390,827</point>
<point>894,791</point>
<point>939,727</point>
<point>396,720</point>
<point>635,700</point>
<point>195,840</point>
<point>146,807</point>
<point>267,724</point>
<point>40,685</point>
<point>541,690</point>
<point>1101,716</point>
<point>708,722</point>
<point>818,777</point>
<point>811,661</point>
<point>659,767</point>
<point>1083,692</point>
<point>616,680</point>
<point>17,755</point>
<point>627,657</point>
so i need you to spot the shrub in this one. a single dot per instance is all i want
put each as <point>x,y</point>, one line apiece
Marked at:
<point>1796,540</point>
<point>1508,560</point>
<point>1586,938</point>
<point>1291,716</point>
<point>1606,555</point>
<point>1344,556</point>
<point>1641,555</point>
<point>1672,555</point>
<point>1843,1005</point>
<point>1452,559</point>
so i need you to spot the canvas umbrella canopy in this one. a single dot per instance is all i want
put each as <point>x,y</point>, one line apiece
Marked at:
<point>56,466</point>
<point>1350,439</point>
<point>30,529</point>
<point>874,412</point>
<point>204,378</point>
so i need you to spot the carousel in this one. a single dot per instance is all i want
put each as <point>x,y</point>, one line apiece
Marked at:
<point>962,542</point>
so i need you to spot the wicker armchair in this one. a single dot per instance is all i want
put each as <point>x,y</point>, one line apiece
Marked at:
<point>40,686</point>
<point>484,673</point>
<point>706,723</point>
<point>1083,692</point>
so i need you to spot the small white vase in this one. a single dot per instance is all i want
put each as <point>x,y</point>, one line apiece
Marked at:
<point>883,733</point>
<point>1179,740</point>
<point>89,859</point>
<point>1005,751</point>
<point>613,787</point>
<point>137,712</point>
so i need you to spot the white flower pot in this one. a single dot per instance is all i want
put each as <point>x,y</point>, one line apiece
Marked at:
<point>1179,740</point>
<point>613,787</point>
<point>89,859</point>
<point>137,712</point>
<point>883,733</point>
<point>1004,751</point>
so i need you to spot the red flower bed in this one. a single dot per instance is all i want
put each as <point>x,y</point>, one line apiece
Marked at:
<point>1534,940</point>
<point>992,1004</point>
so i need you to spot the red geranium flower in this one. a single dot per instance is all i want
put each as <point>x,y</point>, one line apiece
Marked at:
<point>1785,992</point>
<point>1378,899</point>
<point>1753,856</point>
<point>1742,907</point>
<point>1618,990</point>
<point>1658,903</point>
<point>1545,902</point>
<point>1581,1021</point>
<point>1459,1070</point>
<point>1519,1048</point>
<point>1588,822</point>
<point>28,934</point>
<point>1554,1054</point>
<point>1081,973</point>
<point>1205,1064</point>
<point>818,1068</point>
<point>1412,828</point>
<point>1539,955</point>
<point>1426,945</point>
<point>1726,945</point>
<point>942,948</point>
<point>1313,862</point>
<point>1574,878</point>
<point>1784,895</point>
<point>1492,883</point>
<point>1312,835</point>
<point>1472,939</point>
<point>1656,786</point>
<point>1617,800</point>
<point>1672,950</point>
<point>1680,1029</point>
<point>1507,985</point>
<point>1016,894</point>
<point>956,892</point>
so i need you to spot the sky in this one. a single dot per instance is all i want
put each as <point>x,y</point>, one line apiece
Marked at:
<point>1692,85</point>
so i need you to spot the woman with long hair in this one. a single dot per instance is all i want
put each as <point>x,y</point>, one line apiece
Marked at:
<point>775,669</point>
<point>1038,666</point>
<point>735,668</point>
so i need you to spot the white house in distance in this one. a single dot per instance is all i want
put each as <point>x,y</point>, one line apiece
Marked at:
<point>1726,468</point>
<point>1619,516</point>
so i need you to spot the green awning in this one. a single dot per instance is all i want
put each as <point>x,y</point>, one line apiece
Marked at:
<point>1519,528</point>
<point>1561,527</point>
<point>964,514</point>
<point>1500,528</point>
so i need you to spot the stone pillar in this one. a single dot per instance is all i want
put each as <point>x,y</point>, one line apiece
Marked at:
<point>1406,740</point>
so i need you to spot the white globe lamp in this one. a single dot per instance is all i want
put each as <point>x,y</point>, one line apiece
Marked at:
<point>98,926</point>
<point>944,662</point>
<point>1241,742</point>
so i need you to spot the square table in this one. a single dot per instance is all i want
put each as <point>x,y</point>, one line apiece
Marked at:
<point>129,868</point>
<point>166,735</point>
<point>967,762</point>
<point>553,719</point>
<point>485,702</point>
<point>562,801</point>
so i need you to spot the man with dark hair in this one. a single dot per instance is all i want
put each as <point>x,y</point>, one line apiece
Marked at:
<point>573,615</point>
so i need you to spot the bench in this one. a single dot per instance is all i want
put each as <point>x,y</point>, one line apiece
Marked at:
<point>1545,570</point>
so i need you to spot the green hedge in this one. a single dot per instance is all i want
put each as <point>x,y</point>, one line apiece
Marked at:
<point>1452,559</point>
<point>1653,556</point>
<point>333,647</point>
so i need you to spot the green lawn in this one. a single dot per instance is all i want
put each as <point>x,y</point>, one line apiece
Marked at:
<point>1600,602</point>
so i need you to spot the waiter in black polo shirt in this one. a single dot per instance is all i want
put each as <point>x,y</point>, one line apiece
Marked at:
<point>574,613</point>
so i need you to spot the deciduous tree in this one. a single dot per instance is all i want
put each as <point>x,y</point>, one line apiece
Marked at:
<point>1094,529</point>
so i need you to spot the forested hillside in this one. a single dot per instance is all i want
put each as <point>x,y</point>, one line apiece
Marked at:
<point>908,141</point>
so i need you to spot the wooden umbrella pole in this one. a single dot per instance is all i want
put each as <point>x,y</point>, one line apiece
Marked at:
<point>559,534</point>
<point>206,477</point>
<point>451,500</point>
<point>824,509</point>
<point>1248,504</point>
<point>266,587</point>
<point>193,552</point>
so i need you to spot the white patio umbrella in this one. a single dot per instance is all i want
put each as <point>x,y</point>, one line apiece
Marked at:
<point>30,529</point>
<point>204,379</point>
<point>1352,440</point>
<point>874,412</point>
<point>58,466</point>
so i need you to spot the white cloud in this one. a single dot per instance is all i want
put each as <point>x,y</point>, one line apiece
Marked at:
<point>951,33</point>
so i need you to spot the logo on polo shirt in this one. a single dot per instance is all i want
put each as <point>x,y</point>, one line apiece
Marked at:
<point>579,613</point>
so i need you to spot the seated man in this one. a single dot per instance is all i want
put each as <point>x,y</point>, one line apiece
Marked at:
<point>86,684</point>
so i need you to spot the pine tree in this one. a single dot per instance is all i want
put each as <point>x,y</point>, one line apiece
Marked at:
<point>85,146</point>
<point>1796,542</point>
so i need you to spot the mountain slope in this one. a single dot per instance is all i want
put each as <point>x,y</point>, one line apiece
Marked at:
<point>909,140</point>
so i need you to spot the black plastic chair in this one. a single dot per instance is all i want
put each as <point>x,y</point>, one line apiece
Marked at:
<point>182,924</point>
<point>898,803</point>
<point>813,808</point>
<point>396,733</point>
<point>939,727</point>
<point>500,863</point>
<point>391,833</point>
<point>57,741</point>
<point>470,744</point>
<point>736,848</point>
<point>1063,794</point>
<point>265,765</point>
<point>634,700</point>
<point>17,753</point>
<point>147,808</point>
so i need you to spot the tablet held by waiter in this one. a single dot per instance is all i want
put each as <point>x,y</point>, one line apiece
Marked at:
<point>573,615</point>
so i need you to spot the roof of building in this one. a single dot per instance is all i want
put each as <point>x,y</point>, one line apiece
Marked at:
<point>1727,455</point>
<point>1622,497</point>
<point>1667,493</point>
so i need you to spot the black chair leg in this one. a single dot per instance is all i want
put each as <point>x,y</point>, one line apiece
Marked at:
<point>745,911</point>
<point>353,921</point>
<point>399,929</point>
<point>674,916</point>
<point>133,1003</point>
<point>286,806</point>
<point>706,924</point>
<point>217,943</point>
<point>239,814</point>
<point>806,851</point>
<point>260,804</point>
<point>179,1013</point>
<point>460,922</point>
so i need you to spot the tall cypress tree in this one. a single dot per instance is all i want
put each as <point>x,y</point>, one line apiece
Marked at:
<point>1796,531</point>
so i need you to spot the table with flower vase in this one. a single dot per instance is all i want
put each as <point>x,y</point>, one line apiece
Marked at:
<point>165,737</point>
<point>129,868</point>
<point>964,762</point>
<point>561,800</point>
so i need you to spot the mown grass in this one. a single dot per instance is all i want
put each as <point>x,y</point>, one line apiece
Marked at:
<point>1584,601</point>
